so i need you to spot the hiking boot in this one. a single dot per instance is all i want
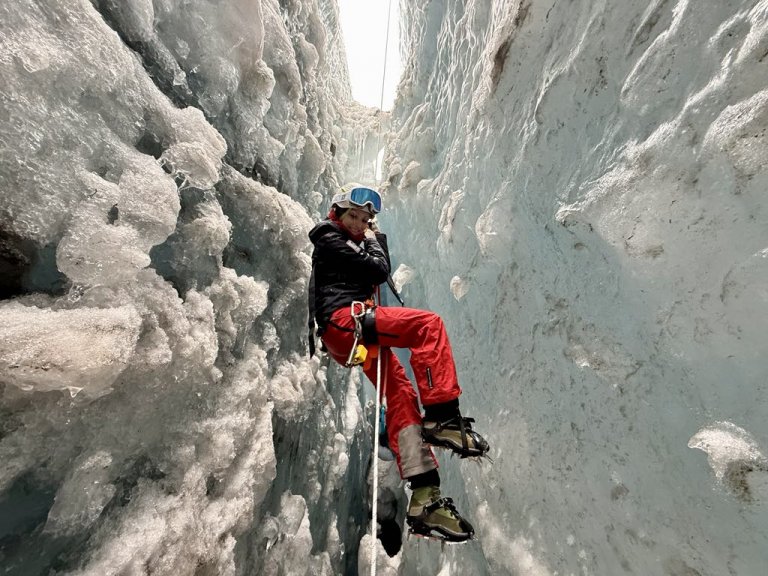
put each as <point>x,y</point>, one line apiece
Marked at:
<point>431,515</point>
<point>455,434</point>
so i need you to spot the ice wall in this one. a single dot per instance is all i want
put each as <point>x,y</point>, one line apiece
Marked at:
<point>579,188</point>
<point>576,187</point>
<point>160,165</point>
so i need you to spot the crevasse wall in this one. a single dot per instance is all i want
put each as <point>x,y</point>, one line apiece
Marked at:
<point>579,188</point>
<point>160,165</point>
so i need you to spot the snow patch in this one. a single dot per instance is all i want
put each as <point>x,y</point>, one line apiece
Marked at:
<point>403,276</point>
<point>734,456</point>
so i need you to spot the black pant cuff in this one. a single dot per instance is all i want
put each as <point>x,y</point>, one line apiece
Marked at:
<point>431,478</point>
<point>442,412</point>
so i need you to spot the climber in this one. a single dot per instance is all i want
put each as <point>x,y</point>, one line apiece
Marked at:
<point>349,261</point>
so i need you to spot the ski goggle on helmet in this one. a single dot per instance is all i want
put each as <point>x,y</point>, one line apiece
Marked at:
<point>357,196</point>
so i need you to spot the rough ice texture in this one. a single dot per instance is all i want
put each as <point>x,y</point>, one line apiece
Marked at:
<point>37,352</point>
<point>580,188</point>
<point>160,166</point>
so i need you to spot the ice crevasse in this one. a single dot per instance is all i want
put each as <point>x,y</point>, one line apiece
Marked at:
<point>578,189</point>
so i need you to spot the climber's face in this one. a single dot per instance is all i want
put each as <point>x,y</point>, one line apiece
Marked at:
<point>356,221</point>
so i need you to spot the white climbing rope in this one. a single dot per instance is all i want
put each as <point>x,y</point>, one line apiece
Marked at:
<point>376,433</point>
<point>381,393</point>
<point>377,424</point>
<point>381,102</point>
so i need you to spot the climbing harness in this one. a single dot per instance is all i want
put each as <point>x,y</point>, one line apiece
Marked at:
<point>369,321</point>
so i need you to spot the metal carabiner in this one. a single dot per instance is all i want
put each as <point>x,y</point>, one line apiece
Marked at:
<point>355,314</point>
<point>352,353</point>
<point>358,353</point>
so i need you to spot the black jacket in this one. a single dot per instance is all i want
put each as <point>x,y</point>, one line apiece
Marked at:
<point>343,271</point>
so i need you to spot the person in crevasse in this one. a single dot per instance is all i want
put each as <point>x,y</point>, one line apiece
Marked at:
<point>349,261</point>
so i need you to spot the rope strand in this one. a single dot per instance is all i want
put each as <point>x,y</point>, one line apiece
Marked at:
<point>376,439</point>
<point>376,434</point>
<point>376,167</point>
<point>374,514</point>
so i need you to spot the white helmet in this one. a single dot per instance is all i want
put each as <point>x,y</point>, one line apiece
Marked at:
<point>354,195</point>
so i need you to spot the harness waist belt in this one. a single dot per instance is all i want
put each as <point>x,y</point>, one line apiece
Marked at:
<point>368,327</point>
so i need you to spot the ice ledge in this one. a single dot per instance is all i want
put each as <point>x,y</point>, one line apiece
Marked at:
<point>76,350</point>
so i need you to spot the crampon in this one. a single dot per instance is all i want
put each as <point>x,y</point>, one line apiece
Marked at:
<point>456,435</point>
<point>439,520</point>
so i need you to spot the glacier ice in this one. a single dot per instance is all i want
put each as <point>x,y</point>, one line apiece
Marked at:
<point>36,353</point>
<point>592,172</point>
<point>578,189</point>
<point>160,166</point>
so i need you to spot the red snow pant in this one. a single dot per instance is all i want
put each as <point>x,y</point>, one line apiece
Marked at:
<point>424,334</point>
